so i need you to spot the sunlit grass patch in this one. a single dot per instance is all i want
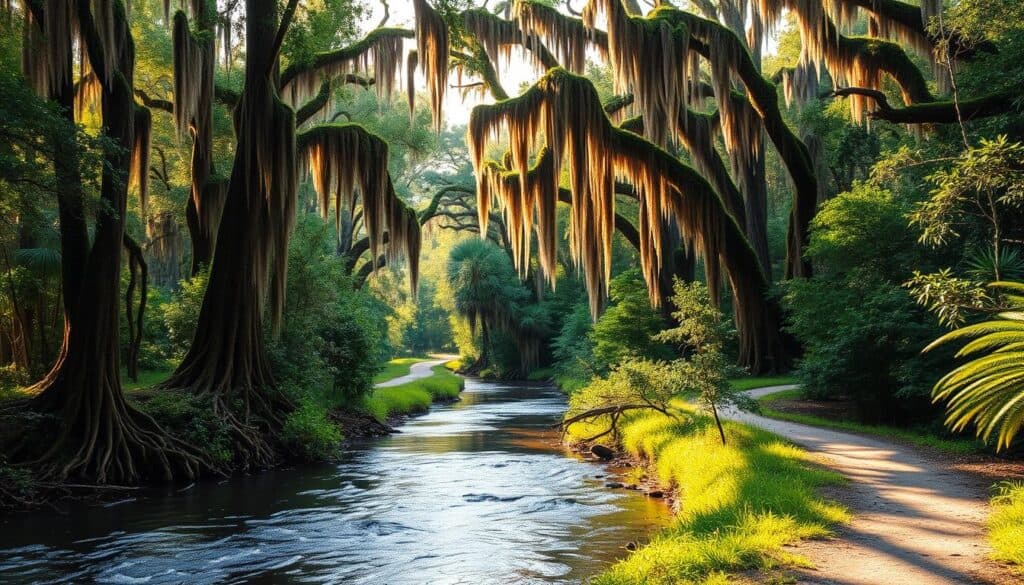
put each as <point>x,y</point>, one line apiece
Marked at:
<point>1006,525</point>
<point>414,396</point>
<point>740,502</point>
<point>397,368</point>
<point>453,365</point>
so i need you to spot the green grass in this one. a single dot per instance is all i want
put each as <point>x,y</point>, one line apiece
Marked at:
<point>761,382</point>
<point>147,379</point>
<point>540,374</point>
<point>921,437</point>
<point>741,502</point>
<point>397,368</point>
<point>415,396</point>
<point>1006,525</point>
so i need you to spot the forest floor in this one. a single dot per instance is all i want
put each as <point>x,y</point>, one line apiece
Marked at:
<point>918,516</point>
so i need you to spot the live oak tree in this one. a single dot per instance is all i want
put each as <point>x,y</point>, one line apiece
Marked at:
<point>227,360</point>
<point>100,436</point>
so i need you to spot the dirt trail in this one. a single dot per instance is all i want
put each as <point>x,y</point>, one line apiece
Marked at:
<point>916,521</point>
<point>416,371</point>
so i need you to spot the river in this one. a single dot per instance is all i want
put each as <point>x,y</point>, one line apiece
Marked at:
<point>476,492</point>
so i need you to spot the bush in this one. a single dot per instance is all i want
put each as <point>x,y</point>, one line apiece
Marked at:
<point>861,331</point>
<point>192,419</point>
<point>181,314</point>
<point>11,379</point>
<point>333,338</point>
<point>626,328</point>
<point>308,433</point>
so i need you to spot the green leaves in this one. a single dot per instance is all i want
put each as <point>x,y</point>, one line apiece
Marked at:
<point>988,390</point>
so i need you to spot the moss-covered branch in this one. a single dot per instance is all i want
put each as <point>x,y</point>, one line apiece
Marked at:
<point>330,58</point>
<point>944,112</point>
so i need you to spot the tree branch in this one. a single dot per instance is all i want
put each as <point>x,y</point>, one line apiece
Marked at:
<point>937,112</point>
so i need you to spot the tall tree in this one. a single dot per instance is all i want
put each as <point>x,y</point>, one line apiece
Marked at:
<point>101,436</point>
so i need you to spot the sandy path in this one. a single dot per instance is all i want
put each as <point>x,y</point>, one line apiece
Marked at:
<point>416,371</point>
<point>915,520</point>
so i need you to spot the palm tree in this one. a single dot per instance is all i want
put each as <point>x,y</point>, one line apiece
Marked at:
<point>988,390</point>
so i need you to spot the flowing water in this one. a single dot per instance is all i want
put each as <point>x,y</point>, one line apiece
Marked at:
<point>478,492</point>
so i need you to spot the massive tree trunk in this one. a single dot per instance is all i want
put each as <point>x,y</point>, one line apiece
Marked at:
<point>101,437</point>
<point>228,360</point>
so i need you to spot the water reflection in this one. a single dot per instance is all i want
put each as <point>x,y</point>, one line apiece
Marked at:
<point>476,492</point>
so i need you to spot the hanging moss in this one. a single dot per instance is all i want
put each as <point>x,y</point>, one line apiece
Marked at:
<point>350,164</point>
<point>379,53</point>
<point>565,108</point>
<point>432,53</point>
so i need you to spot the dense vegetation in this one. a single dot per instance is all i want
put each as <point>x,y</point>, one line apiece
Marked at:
<point>219,222</point>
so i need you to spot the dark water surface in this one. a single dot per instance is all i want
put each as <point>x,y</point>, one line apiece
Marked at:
<point>478,492</point>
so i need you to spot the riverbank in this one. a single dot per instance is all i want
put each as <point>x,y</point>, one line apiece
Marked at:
<point>739,505</point>
<point>312,432</point>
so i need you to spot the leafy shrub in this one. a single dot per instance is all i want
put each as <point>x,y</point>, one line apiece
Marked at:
<point>309,433</point>
<point>181,314</point>
<point>333,338</point>
<point>11,378</point>
<point>192,419</point>
<point>626,328</point>
<point>861,331</point>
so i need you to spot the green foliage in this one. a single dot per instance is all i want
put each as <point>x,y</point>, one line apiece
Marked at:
<point>701,335</point>
<point>631,385</point>
<point>861,331</point>
<point>862,340</point>
<point>321,26</point>
<point>740,503</point>
<point>863,229</point>
<point>310,434</point>
<point>488,293</point>
<point>625,330</point>
<point>986,391</point>
<point>192,418</point>
<point>11,379</point>
<point>982,186</point>
<point>1006,525</point>
<point>182,312</point>
<point>573,350</point>
<point>333,338</point>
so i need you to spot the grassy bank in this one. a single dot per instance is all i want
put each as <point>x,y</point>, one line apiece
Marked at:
<point>397,368</point>
<point>740,503</point>
<point>761,382</point>
<point>920,437</point>
<point>414,396</point>
<point>1006,525</point>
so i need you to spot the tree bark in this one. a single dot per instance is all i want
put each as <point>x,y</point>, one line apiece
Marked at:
<point>101,437</point>
<point>227,359</point>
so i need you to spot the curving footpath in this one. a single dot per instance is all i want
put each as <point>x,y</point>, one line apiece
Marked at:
<point>417,371</point>
<point>915,521</point>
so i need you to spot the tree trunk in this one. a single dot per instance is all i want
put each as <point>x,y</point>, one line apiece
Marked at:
<point>227,359</point>
<point>101,437</point>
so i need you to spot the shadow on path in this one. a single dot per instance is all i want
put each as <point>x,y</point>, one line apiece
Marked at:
<point>915,521</point>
